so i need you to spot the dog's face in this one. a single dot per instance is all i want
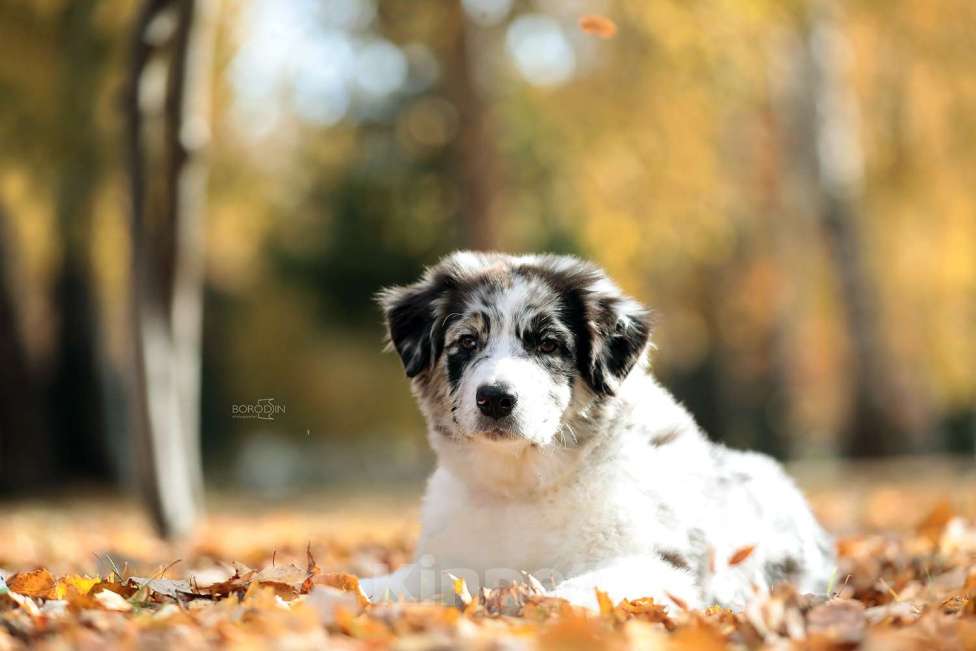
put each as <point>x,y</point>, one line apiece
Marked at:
<point>510,350</point>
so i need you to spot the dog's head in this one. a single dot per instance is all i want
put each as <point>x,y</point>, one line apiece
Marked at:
<point>509,350</point>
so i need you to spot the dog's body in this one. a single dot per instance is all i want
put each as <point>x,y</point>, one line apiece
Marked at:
<point>560,456</point>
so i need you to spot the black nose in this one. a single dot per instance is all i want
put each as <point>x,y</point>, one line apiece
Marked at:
<point>494,400</point>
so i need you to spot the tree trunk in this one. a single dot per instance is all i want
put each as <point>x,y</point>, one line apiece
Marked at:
<point>25,449</point>
<point>475,145</point>
<point>166,225</point>
<point>827,163</point>
<point>75,397</point>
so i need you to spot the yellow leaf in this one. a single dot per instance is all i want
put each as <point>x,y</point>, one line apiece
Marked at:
<point>461,589</point>
<point>81,584</point>
<point>603,599</point>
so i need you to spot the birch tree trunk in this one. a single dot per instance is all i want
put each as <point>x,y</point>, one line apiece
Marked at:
<point>168,132</point>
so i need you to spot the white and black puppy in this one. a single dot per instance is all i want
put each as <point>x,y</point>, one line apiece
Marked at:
<point>559,455</point>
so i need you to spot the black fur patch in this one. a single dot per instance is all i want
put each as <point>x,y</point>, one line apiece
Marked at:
<point>674,559</point>
<point>456,363</point>
<point>416,331</point>
<point>618,347</point>
<point>785,569</point>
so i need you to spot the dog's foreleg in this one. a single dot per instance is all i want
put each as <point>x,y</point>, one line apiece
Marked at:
<point>632,577</point>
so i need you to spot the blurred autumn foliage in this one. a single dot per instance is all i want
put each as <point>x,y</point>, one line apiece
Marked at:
<point>788,184</point>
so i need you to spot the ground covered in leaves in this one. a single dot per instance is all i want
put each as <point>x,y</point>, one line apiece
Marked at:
<point>88,573</point>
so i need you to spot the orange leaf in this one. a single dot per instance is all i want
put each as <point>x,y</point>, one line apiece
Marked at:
<point>600,26</point>
<point>699,636</point>
<point>344,582</point>
<point>606,606</point>
<point>935,522</point>
<point>678,601</point>
<point>33,583</point>
<point>740,555</point>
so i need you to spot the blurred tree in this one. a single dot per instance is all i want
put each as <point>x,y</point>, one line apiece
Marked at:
<point>26,461</point>
<point>168,121</point>
<point>77,403</point>
<point>475,153</point>
<point>827,161</point>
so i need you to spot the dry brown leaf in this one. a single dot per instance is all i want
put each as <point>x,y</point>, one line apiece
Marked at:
<point>740,555</point>
<point>23,602</point>
<point>600,26</point>
<point>841,621</point>
<point>33,583</point>
<point>932,525</point>
<point>112,601</point>
<point>646,609</point>
<point>345,582</point>
<point>699,636</point>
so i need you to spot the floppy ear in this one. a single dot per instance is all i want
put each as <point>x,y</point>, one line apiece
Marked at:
<point>619,330</point>
<point>414,320</point>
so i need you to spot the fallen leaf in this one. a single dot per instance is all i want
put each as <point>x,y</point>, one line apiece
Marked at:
<point>841,621</point>
<point>678,601</point>
<point>600,26</point>
<point>700,636</point>
<point>24,602</point>
<point>345,582</point>
<point>932,524</point>
<point>172,588</point>
<point>33,583</point>
<point>112,601</point>
<point>328,602</point>
<point>81,584</point>
<point>460,587</point>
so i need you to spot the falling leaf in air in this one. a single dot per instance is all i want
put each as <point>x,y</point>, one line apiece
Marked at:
<point>600,26</point>
<point>740,555</point>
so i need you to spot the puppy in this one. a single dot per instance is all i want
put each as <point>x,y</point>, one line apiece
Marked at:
<point>560,456</point>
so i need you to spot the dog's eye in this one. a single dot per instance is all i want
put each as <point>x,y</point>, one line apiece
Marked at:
<point>468,342</point>
<point>548,346</point>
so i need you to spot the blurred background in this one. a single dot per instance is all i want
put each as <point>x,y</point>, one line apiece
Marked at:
<point>788,184</point>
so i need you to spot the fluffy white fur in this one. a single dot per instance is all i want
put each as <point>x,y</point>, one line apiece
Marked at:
<point>622,493</point>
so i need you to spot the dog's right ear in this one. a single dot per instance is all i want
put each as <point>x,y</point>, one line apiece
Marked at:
<point>414,320</point>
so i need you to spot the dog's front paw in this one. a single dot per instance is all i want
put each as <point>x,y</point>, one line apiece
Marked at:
<point>578,595</point>
<point>398,586</point>
<point>632,578</point>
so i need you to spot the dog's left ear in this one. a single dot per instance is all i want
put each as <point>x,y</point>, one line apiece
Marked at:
<point>619,330</point>
<point>413,320</point>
